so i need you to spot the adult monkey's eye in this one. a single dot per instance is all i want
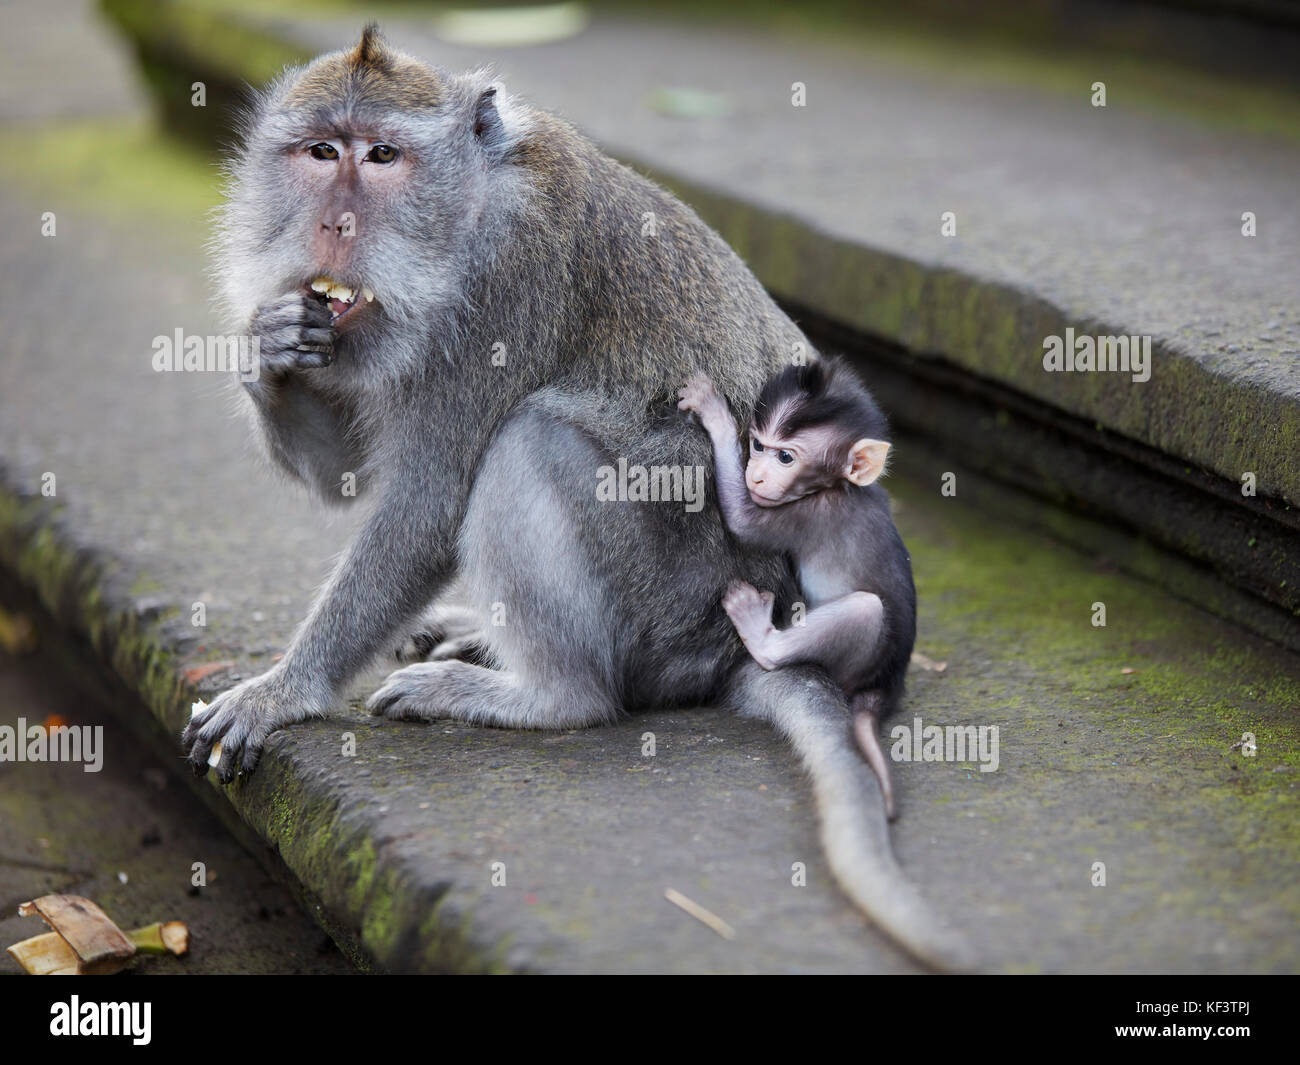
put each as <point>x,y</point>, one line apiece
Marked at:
<point>323,150</point>
<point>784,458</point>
<point>382,153</point>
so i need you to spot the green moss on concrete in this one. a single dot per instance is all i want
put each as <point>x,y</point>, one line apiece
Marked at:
<point>70,584</point>
<point>1186,409</point>
<point>337,862</point>
<point>1005,598</point>
<point>1009,610</point>
<point>402,926</point>
<point>204,38</point>
<point>121,168</point>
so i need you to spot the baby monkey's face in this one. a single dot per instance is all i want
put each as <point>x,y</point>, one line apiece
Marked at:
<point>783,469</point>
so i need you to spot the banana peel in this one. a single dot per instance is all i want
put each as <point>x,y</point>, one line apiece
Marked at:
<point>86,942</point>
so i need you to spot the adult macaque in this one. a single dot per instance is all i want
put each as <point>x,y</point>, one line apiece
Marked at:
<point>816,447</point>
<point>519,328</point>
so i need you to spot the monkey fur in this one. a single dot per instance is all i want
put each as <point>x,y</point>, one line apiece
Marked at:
<point>809,489</point>
<point>535,307</point>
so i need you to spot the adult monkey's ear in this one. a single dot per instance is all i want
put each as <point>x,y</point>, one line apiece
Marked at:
<point>866,461</point>
<point>489,130</point>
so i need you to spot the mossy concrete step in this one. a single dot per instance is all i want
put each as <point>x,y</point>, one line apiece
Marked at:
<point>128,834</point>
<point>1116,742</point>
<point>1071,220</point>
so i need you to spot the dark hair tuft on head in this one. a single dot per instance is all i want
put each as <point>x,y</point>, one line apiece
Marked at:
<point>371,51</point>
<point>820,393</point>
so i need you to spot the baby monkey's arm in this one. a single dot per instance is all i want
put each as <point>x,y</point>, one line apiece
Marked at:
<point>738,510</point>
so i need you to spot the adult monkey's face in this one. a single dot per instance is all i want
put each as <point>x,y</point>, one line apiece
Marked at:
<point>362,179</point>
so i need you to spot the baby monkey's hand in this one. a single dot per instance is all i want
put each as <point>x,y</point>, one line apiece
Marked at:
<point>700,396</point>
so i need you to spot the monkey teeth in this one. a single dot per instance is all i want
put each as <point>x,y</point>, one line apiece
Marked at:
<point>341,298</point>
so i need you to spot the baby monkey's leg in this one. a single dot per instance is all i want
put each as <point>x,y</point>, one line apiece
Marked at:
<point>842,636</point>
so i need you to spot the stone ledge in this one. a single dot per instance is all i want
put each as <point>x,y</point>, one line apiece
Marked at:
<point>1045,249</point>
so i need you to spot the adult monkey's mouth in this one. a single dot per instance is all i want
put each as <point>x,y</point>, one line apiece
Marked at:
<point>342,300</point>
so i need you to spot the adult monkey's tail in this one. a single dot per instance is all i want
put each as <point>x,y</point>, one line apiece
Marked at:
<point>809,710</point>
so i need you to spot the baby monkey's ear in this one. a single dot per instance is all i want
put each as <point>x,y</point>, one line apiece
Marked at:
<point>866,461</point>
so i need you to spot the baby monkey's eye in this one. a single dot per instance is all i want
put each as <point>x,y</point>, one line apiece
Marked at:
<point>382,153</point>
<point>784,458</point>
<point>323,150</point>
<point>757,447</point>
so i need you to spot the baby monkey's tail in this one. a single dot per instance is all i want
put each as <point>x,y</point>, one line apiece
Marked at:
<point>807,708</point>
<point>868,709</point>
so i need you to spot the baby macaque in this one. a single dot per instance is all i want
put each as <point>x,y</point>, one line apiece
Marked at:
<point>816,448</point>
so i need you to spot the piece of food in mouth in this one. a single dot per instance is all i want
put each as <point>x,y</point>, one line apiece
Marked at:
<point>340,297</point>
